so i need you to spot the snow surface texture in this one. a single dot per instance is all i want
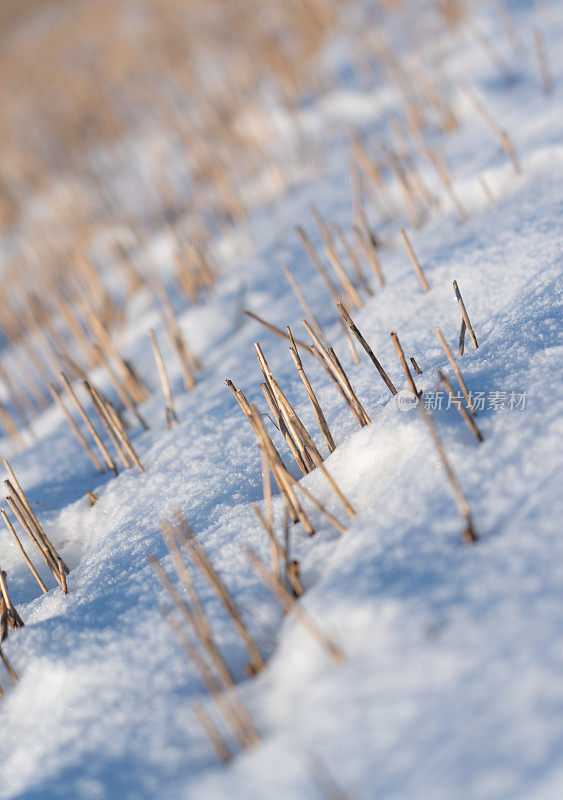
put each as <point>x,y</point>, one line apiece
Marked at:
<point>452,686</point>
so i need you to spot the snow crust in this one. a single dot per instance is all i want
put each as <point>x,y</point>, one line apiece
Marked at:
<point>452,687</point>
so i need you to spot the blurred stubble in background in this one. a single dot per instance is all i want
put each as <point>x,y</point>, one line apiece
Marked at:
<point>124,118</point>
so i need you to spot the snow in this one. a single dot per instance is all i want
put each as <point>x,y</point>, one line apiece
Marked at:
<point>452,686</point>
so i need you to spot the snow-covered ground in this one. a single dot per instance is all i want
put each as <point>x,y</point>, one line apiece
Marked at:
<point>452,683</point>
